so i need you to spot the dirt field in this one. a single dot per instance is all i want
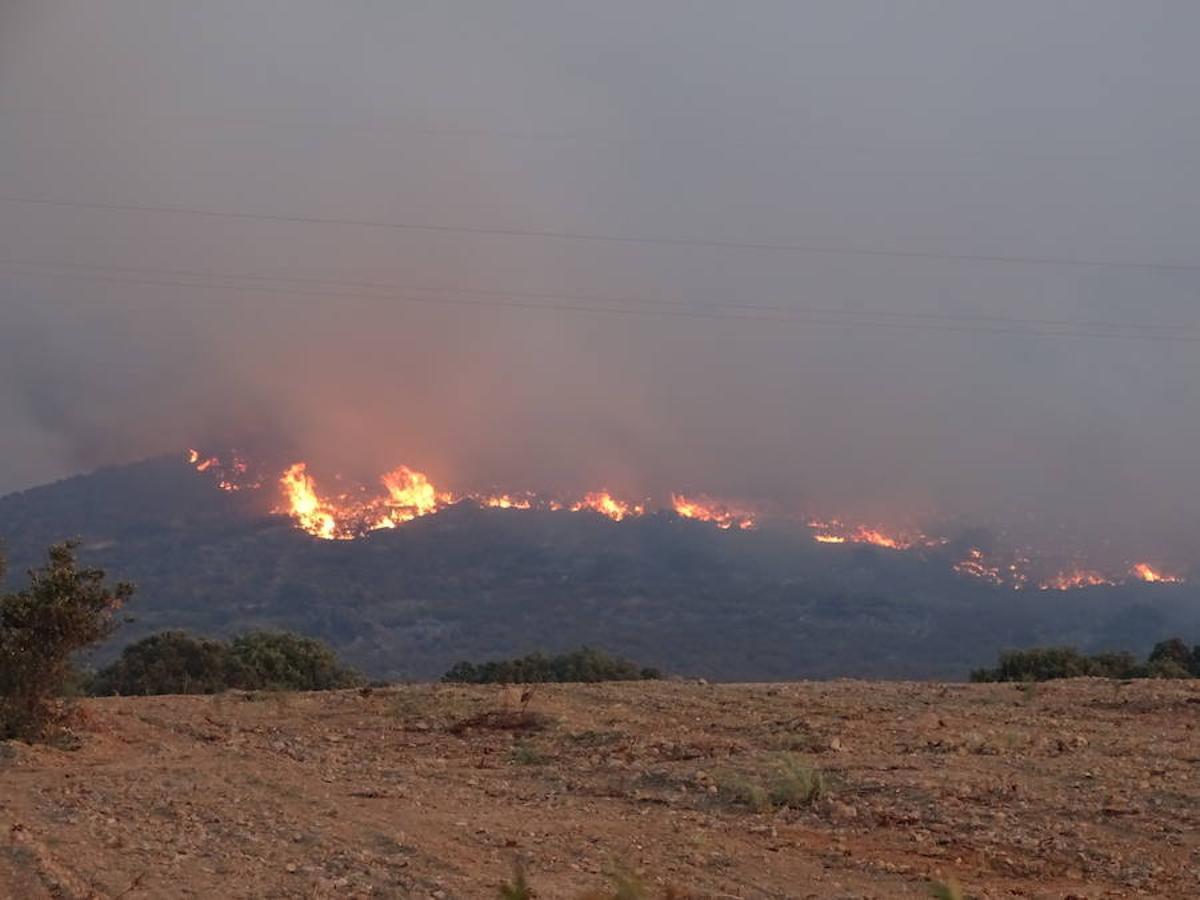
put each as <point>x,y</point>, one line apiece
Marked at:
<point>1073,789</point>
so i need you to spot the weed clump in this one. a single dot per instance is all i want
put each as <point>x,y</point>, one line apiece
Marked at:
<point>789,783</point>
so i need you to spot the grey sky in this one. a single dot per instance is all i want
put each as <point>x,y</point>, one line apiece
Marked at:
<point>1062,130</point>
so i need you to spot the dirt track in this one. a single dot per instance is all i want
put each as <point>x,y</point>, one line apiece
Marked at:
<point>1072,789</point>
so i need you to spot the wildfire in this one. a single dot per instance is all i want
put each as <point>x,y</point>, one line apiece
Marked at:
<point>704,509</point>
<point>404,494</point>
<point>506,501</point>
<point>1073,579</point>
<point>604,503</point>
<point>410,494</point>
<point>833,531</point>
<point>306,507</point>
<point>233,475</point>
<point>1146,572</point>
<point>976,566</point>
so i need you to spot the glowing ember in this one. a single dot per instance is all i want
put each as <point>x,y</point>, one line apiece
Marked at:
<point>230,476</point>
<point>1146,572</point>
<point>505,501</point>
<point>834,532</point>
<point>1075,579</point>
<point>976,566</point>
<point>604,503</point>
<point>704,509</point>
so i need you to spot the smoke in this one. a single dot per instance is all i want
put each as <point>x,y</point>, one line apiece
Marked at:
<point>927,387</point>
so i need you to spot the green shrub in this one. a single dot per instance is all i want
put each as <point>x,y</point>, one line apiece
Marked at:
<point>65,609</point>
<point>1168,659</point>
<point>168,663</point>
<point>584,665</point>
<point>176,663</point>
<point>283,661</point>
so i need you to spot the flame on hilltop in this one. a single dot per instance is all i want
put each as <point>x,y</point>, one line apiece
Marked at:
<point>1146,572</point>
<point>705,509</point>
<point>305,506</point>
<point>976,565</point>
<point>404,494</point>
<point>233,475</point>
<point>1073,579</point>
<point>507,501</point>
<point>410,494</point>
<point>833,531</point>
<point>604,503</point>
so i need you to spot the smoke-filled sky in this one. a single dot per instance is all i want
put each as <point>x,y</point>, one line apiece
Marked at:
<point>930,259</point>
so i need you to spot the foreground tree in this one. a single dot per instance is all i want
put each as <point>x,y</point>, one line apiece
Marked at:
<point>64,609</point>
<point>173,662</point>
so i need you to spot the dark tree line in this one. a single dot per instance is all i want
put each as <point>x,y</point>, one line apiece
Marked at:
<point>585,664</point>
<point>1171,658</point>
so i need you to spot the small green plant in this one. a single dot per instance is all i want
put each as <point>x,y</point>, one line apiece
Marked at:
<point>946,890</point>
<point>525,755</point>
<point>788,783</point>
<point>742,790</point>
<point>794,783</point>
<point>518,888</point>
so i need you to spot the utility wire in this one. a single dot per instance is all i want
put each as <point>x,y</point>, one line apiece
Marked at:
<point>716,314</point>
<point>595,237</point>
<point>592,298</point>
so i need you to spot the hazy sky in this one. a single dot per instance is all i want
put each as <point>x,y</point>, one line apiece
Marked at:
<point>735,356</point>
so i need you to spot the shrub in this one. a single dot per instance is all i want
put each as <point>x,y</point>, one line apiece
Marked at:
<point>794,784</point>
<point>284,661</point>
<point>1174,651</point>
<point>65,609</point>
<point>790,783</point>
<point>584,665</point>
<point>176,663</point>
<point>168,663</point>
<point>1168,659</point>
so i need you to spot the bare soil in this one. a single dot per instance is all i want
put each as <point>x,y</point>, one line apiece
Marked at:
<point>1075,789</point>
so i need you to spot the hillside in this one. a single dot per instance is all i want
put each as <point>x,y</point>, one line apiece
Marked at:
<point>1080,789</point>
<point>474,583</point>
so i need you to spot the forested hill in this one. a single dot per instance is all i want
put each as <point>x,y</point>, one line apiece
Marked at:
<point>470,583</point>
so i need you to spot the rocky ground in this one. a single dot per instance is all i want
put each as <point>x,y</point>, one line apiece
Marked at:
<point>841,789</point>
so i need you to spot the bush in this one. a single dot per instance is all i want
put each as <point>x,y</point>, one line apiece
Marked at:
<point>586,664</point>
<point>284,661</point>
<point>65,609</point>
<point>168,663</point>
<point>176,663</point>
<point>1168,659</point>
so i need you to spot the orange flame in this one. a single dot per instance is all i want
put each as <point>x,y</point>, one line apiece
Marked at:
<point>977,566</point>
<point>604,503</point>
<point>1074,579</point>
<point>231,476</point>
<point>410,494</point>
<point>834,532</point>
<point>505,501</point>
<point>705,509</point>
<point>1146,572</point>
<point>305,506</point>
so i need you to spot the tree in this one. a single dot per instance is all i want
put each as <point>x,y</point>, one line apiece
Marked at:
<point>170,662</point>
<point>1174,651</point>
<point>64,609</point>
<point>281,660</point>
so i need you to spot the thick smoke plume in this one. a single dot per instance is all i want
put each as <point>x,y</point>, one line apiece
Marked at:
<point>986,379</point>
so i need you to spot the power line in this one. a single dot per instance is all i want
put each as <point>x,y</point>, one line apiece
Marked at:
<point>715,314</point>
<point>596,298</point>
<point>582,236</point>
